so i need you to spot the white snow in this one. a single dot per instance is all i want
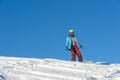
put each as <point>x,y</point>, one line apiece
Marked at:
<point>12,68</point>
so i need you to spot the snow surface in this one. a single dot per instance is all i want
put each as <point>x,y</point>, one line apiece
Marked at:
<point>12,68</point>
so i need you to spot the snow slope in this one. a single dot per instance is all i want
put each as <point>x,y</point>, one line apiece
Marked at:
<point>12,68</point>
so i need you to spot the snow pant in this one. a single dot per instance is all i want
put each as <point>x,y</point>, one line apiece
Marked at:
<point>75,51</point>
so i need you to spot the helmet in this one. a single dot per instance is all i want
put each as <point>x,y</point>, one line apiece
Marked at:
<point>71,30</point>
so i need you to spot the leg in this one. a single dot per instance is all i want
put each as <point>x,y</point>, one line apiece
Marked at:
<point>79,54</point>
<point>73,54</point>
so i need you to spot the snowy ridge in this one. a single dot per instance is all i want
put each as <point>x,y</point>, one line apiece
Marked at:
<point>12,68</point>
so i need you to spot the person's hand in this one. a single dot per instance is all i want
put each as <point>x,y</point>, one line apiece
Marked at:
<point>67,48</point>
<point>81,46</point>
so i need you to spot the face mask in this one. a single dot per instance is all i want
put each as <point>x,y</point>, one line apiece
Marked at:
<point>72,35</point>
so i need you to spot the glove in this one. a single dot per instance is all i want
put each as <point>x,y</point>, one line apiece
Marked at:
<point>81,46</point>
<point>67,48</point>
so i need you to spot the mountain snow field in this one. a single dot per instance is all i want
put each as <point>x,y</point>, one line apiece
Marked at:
<point>13,68</point>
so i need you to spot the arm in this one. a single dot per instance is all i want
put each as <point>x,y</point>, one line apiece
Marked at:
<point>68,43</point>
<point>77,43</point>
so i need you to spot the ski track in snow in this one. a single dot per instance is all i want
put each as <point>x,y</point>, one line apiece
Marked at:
<point>12,68</point>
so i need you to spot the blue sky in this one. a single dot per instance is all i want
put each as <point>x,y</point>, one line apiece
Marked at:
<point>38,28</point>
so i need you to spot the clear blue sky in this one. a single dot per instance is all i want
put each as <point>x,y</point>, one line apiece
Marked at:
<point>38,28</point>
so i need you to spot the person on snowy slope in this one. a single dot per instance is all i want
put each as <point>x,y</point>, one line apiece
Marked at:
<point>73,45</point>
